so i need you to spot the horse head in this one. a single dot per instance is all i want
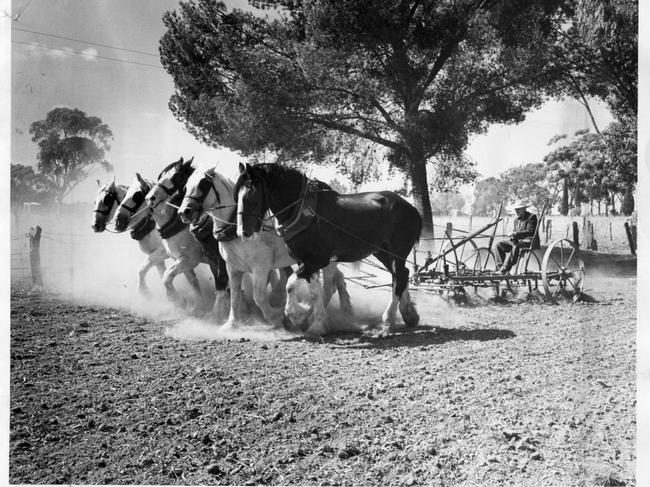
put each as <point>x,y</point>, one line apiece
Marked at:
<point>206,191</point>
<point>132,203</point>
<point>170,180</point>
<point>251,201</point>
<point>105,203</point>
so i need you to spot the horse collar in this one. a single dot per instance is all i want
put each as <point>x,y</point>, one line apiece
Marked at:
<point>143,228</point>
<point>172,227</point>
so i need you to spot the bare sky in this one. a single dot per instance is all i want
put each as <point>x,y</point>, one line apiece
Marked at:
<point>60,58</point>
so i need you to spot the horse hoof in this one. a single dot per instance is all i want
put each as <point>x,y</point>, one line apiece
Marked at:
<point>412,320</point>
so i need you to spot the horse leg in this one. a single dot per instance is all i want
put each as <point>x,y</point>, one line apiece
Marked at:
<point>338,281</point>
<point>168,281</point>
<point>278,282</point>
<point>235,277</point>
<point>389,315</point>
<point>321,321</point>
<point>329,283</point>
<point>406,305</point>
<point>142,274</point>
<point>193,281</point>
<point>221,305</point>
<point>271,314</point>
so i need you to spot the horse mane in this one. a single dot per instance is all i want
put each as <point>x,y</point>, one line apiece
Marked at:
<point>167,168</point>
<point>276,173</point>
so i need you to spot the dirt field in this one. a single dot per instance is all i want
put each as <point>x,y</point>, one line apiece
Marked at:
<point>522,394</point>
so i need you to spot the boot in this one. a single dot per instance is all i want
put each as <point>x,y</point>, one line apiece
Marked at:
<point>506,266</point>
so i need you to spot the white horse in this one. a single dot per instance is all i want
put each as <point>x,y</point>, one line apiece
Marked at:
<point>212,192</point>
<point>108,198</point>
<point>177,240</point>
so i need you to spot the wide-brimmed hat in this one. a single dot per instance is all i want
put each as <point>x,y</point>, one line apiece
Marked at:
<point>519,204</point>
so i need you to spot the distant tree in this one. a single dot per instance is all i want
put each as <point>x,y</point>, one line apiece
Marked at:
<point>530,182</point>
<point>561,165</point>
<point>415,77</point>
<point>597,167</point>
<point>28,186</point>
<point>622,141</point>
<point>443,203</point>
<point>71,145</point>
<point>489,193</point>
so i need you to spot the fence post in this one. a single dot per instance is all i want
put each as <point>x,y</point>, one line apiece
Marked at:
<point>470,222</point>
<point>549,224</point>
<point>35,257</point>
<point>611,238</point>
<point>576,236</point>
<point>586,228</point>
<point>630,238</point>
<point>449,230</point>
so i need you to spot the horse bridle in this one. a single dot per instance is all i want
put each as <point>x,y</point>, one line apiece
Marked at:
<point>266,200</point>
<point>107,211</point>
<point>204,194</point>
<point>138,199</point>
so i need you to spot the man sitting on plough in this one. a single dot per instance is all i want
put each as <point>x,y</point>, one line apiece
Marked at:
<point>523,237</point>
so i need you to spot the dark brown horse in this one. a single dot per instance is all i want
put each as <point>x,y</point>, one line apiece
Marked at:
<point>320,225</point>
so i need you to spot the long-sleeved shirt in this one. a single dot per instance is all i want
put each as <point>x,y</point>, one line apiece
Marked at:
<point>525,226</point>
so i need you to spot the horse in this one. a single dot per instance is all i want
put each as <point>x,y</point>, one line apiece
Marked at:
<point>177,240</point>
<point>108,198</point>
<point>172,180</point>
<point>320,226</point>
<point>212,193</point>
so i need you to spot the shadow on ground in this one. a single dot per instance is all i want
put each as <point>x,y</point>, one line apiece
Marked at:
<point>417,337</point>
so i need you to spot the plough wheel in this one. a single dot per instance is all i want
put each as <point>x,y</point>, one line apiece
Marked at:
<point>482,260</point>
<point>563,271</point>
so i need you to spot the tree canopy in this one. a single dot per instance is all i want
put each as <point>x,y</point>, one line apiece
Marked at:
<point>417,78</point>
<point>71,145</point>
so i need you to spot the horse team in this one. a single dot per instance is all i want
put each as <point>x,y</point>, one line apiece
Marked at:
<point>195,217</point>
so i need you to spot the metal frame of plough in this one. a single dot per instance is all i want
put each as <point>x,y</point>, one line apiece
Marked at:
<point>462,263</point>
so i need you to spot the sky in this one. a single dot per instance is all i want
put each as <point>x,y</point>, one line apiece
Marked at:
<point>100,56</point>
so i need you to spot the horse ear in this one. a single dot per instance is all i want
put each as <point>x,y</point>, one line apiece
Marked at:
<point>140,180</point>
<point>99,183</point>
<point>242,168</point>
<point>188,163</point>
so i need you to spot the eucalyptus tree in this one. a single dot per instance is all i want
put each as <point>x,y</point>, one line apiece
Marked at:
<point>71,145</point>
<point>416,78</point>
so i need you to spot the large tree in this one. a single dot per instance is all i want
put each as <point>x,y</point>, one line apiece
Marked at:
<point>71,145</point>
<point>416,77</point>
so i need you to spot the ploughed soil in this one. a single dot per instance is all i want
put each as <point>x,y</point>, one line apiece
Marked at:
<point>514,393</point>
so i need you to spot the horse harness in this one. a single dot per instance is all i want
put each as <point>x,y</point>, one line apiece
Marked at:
<point>174,225</point>
<point>109,200</point>
<point>143,228</point>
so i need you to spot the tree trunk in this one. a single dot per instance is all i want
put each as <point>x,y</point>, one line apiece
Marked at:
<point>564,205</point>
<point>417,171</point>
<point>627,203</point>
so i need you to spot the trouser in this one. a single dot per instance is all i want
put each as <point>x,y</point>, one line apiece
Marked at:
<point>512,249</point>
